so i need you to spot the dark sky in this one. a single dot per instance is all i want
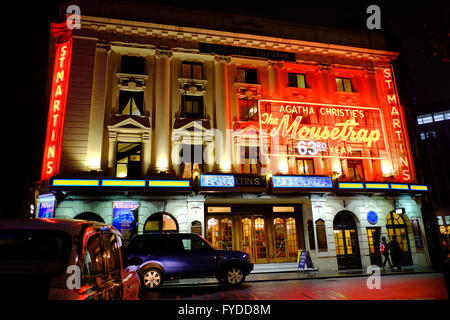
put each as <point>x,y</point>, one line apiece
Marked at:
<point>418,30</point>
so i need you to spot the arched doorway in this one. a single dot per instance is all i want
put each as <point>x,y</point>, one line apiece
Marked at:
<point>395,225</point>
<point>90,216</point>
<point>161,222</point>
<point>346,240</point>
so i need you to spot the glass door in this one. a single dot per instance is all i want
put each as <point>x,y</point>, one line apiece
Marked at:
<point>285,239</point>
<point>254,238</point>
<point>373,240</point>
<point>219,232</point>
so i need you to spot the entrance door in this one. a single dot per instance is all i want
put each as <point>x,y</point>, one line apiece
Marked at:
<point>254,238</point>
<point>395,225</point>
<point>373,238</point>
<point>219,232</point>
<point>285,239</point>
<point>346,240</point>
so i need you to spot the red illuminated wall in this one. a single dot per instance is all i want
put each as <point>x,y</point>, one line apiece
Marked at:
<point>374,94</point>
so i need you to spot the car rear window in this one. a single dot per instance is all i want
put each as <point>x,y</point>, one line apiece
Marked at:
<point>34,252</point>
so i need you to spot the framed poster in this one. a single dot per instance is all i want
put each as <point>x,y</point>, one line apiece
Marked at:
<point>46,206</point>
<point>125,218</point>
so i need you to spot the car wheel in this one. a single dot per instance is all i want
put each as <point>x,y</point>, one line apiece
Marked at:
<point>151,278</point>
<point>234,276</point>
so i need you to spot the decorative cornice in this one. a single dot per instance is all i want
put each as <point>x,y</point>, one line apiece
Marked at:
<point>306,50</point>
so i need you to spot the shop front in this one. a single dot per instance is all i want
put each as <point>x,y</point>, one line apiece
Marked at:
<point>270,233</point>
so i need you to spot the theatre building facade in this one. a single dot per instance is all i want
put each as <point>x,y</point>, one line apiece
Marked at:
<point>258,143</point>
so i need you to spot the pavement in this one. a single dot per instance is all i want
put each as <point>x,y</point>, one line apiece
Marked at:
<point>290,271</point>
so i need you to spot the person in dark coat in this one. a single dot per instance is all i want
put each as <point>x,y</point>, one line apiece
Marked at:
<point>395,252</point>
<point>384,250</point>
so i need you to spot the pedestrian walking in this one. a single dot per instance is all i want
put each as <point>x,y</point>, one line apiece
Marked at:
<point>384,250</point>
<point>395,252</point>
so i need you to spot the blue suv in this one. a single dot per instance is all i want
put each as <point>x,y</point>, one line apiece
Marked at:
<point>163,256</point>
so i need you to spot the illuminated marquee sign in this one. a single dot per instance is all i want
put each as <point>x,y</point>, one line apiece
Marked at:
<point>396,124</point>
<point>58,97</point>
<point>303,129</point>
<point>302,182</point>
<point>214,180</point>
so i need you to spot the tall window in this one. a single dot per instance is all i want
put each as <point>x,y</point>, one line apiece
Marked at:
<point>344,84</point>
<point>321,236</point>
<point>191,70</point>
<point>248,109</point>
<point>131,103</point>
<point>250,159</point>
<point>312,243</point>
<point>305,166</point>
<point>191,106</point>
<point>246,75</point>
<point>133,65</point>
<point>417,233</point>
<point>191,158</point>
<point>355,167</point>
<point>128,160</point>
<point>296,80</point>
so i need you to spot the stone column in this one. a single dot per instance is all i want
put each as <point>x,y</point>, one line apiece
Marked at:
<point>112,152</point>
<point>223,114</point>
<point>162,111</point>
<point>146,153</point>
<point>98,104</point>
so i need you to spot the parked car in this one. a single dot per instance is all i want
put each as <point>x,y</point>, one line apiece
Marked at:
<point>64,259</point>
<point>162,256</point>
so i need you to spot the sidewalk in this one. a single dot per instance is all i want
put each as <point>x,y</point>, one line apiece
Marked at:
<point>289,271</point>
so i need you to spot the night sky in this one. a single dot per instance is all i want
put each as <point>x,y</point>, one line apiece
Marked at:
<point>418,30</point>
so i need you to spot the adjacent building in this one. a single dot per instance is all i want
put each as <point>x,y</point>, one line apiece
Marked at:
<point>272,140</point>
<point>434,126</point>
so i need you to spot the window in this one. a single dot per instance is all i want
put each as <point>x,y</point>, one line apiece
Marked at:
<point>131,103</point>
<point>296,80</point>
<point>312,243</point>
<point>321,236</point>
<point>93,259</point>
<point>196,227</point>
<point>193,243</point>
<point>128,160</point>
<point>246,75</point>
<point>248,109</point>
<point>191,157</point>
<point>250,159</point>
<point>191,106</point>
<point>192,70</point>
<point>160,222</point>
<point>133,65</point>
<point>305,166</point>
<point>355,167</point>
<point>417,233</point>
<point>344,84</point>
<point>427,119</point>
<point>111,254</point>
<point>373,238</point>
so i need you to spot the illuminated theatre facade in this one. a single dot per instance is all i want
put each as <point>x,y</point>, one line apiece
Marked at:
<point>258,143</point>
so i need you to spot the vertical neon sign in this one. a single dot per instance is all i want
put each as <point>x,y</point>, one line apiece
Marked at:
<point>62,38</point>
<point>397,124</point>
